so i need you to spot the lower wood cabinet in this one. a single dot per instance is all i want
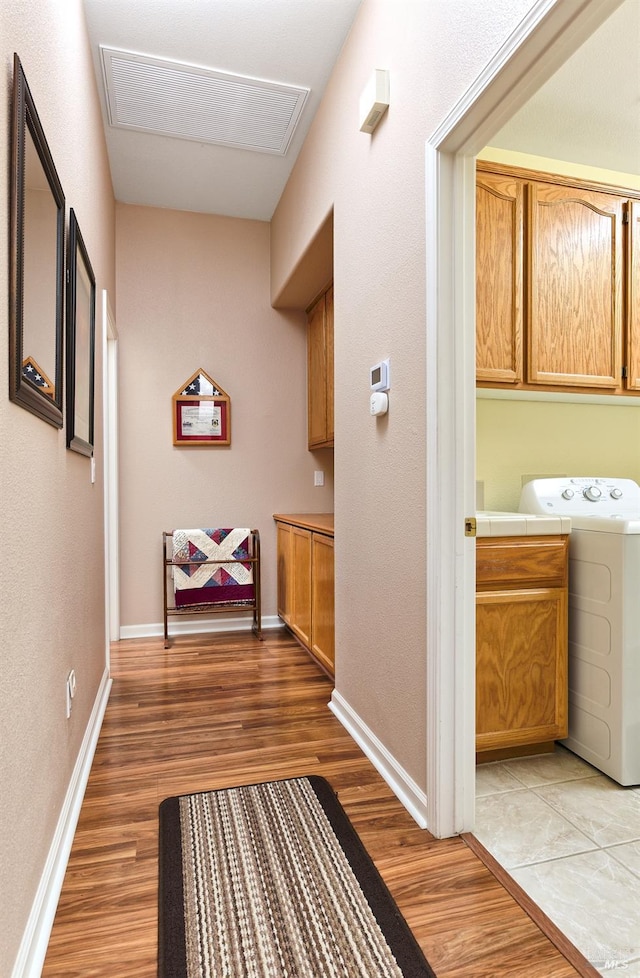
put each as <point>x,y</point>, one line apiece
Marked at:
<point>322,601</point>
<point>521,644</point>
<point>301,583</point>
<point>306,582</point>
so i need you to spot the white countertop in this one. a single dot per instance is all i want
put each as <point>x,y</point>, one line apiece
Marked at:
<point>495,524</point>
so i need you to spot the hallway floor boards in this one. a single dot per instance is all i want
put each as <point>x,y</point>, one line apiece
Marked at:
<point>216,711</point>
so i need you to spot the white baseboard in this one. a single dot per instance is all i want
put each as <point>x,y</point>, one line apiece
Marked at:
<point>215,624</point>
<point>403,786</point>
<point>35,939</point>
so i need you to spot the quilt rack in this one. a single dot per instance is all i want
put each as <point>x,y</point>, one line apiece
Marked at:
<point>221,593</point>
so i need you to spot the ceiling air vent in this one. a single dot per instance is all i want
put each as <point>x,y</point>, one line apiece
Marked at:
<point>172,99</point>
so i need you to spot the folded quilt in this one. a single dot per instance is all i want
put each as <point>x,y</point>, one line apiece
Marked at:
<point>228,579</point>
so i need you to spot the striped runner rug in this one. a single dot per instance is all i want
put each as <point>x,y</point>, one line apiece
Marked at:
<point>271,880</point>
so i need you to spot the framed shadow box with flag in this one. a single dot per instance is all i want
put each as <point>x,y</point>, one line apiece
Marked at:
<point>201,412</point>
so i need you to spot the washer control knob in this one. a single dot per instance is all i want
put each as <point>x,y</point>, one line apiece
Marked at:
<point>592,493</point>
<point>568,494</point>
<point>616,493</point>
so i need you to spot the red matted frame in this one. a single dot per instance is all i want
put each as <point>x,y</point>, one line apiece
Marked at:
<point>201,420</point>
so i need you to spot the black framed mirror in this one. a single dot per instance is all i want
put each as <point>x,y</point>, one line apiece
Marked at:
<point>36,262</point>
<point>81,342</point>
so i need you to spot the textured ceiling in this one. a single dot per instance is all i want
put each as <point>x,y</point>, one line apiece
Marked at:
<point>589,112</point>
<point>287,42</point>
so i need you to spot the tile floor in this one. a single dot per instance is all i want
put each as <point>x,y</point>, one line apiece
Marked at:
<point>571,838</point>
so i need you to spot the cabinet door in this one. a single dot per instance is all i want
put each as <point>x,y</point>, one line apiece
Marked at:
<point>285,570</point>
<point>499,278</point>
<point>328,332</point>
<point>320,371</point>
<point>322,611</point>
<point>575,289</point>
<point>300,619</point>
<point>317,374</point>
<point>521,667</point>
<point>633,298</point>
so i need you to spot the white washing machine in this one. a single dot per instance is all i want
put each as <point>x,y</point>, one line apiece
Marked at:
<point>604,616</point>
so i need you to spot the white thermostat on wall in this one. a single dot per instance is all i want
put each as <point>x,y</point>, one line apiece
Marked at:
<point>379,403</point>
<point>380,376</point>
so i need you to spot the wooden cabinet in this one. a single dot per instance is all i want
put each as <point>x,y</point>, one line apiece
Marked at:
<point>294,579</point>
<point>306,582</point>
<point>320,371</point>
<point>500,277</point>
<point>322,606</point>
<point>633,293</point>
<point>521,644</point>
<point>554,285</point>
<point>575,296</point>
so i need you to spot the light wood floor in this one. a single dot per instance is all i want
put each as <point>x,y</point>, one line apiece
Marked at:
<point>216,711</point>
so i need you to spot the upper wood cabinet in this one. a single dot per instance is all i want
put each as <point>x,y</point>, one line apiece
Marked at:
<point>320,371</point>
<point>633,297</point>
<point>499,280</point>
<point>556,303</point>
<point>575,293</point>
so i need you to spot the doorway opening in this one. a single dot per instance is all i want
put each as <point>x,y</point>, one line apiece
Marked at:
<point>110,440</point>
<point>550,33</point>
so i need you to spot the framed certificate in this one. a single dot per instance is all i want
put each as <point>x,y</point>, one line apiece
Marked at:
<point>201,413</point>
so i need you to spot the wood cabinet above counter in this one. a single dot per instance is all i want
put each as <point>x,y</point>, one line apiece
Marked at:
<point>306,581</point>
<point>320,371</point>
<point>557,282</point>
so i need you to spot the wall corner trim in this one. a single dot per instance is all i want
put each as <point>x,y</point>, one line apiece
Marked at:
<point>402,785</point>
<point>33,948</point>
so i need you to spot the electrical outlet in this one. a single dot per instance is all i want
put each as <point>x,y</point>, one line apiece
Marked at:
<point>318,477</point>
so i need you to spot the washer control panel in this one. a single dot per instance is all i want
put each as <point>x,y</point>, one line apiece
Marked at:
<point>581,495</point>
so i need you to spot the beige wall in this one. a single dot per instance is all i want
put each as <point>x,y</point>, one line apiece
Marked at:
<point>51,577</point>
<point>193,292</point>
<point>568,169</point>
<point>548,438</point>
<point>375,184</point>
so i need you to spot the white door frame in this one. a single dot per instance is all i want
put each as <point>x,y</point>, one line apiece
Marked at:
<point>543,41</point>
<point>110,439</point>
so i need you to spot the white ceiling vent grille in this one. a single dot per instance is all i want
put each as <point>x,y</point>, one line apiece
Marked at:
<point>173,99</point>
